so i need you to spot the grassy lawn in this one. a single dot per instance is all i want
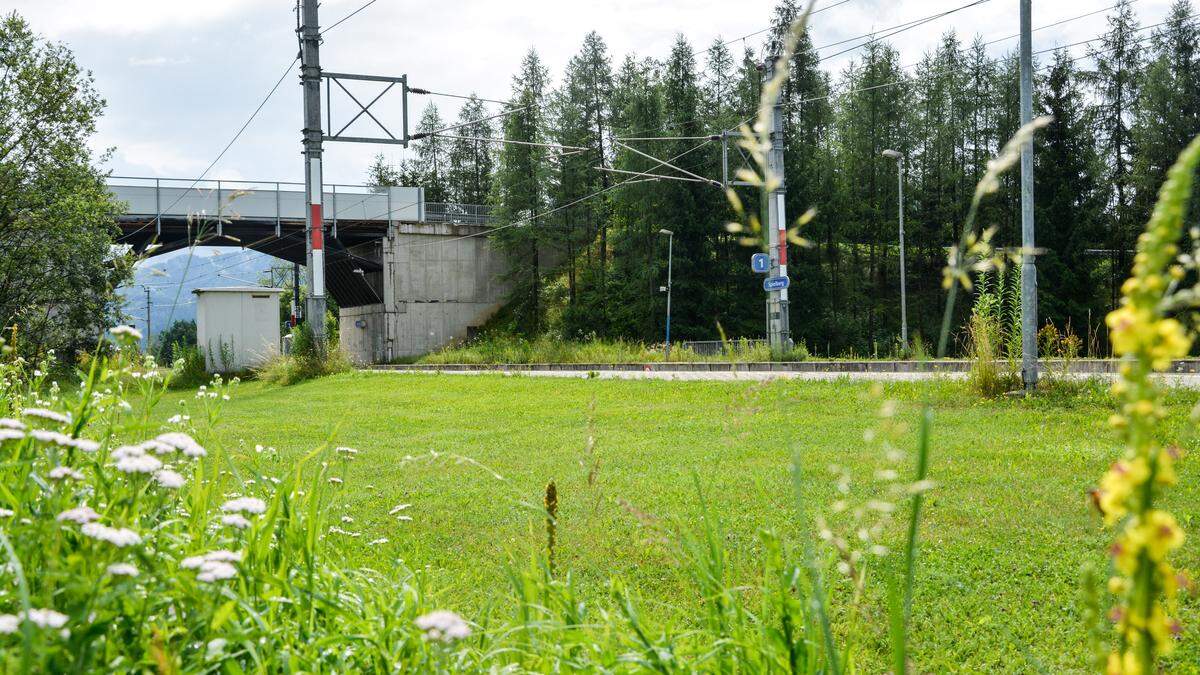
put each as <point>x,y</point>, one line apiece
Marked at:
<point>1005,534</point>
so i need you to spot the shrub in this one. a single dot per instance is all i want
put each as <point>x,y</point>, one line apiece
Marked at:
<point>308,359</point>
<point>190,369</point>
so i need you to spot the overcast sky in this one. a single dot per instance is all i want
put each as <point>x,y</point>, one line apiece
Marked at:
<point>181,76</point>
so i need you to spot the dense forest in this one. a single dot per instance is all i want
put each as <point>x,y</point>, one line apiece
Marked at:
<point>581,229</point>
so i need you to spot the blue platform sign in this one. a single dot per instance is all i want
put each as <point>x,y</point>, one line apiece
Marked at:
<point>775,283</point>
<point>760,262</point>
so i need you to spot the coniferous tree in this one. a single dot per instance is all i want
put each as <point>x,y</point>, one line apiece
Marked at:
<point>522,194</point>
<point>432,160</point>
<point>471,161</point>
<point>1168,113</point>
<point>1069,203</point>
<point>1117,81</point>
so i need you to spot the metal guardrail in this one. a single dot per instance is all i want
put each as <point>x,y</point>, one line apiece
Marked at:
<point>714,347</point>
<point>466,214</point>
<point>283,200</point>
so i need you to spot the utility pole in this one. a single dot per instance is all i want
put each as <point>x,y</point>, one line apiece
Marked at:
<point>670,254</point>
<point>899,157</point>
<point>149,333</point>
<point>1029,356</point>
<point>310,77</point>
<point>779,334</point>
<point>295,294</point>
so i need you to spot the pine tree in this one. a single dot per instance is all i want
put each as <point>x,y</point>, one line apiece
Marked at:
<point>632,282</point>
<point>1070,203</point>
<point>522,195</point>
<point>584,113</point>
<point>471,161</point>
<point>432,157</point>
<point>1168,113</point>
<point>1117,81</point>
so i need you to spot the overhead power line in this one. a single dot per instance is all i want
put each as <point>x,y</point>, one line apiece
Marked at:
<point>768,28</point>
<point>345,18</point>
<point>225,149</point>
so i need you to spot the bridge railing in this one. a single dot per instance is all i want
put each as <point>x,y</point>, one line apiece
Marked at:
<point>276,201</point>
<point>466,214</point>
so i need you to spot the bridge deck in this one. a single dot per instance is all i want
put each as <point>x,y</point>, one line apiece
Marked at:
<point>269,217</point>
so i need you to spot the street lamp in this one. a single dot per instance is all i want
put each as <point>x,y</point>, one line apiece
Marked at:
<point>893,154</point>
<point>670,253</point>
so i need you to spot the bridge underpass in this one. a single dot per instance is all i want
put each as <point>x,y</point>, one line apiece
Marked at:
<point>408,276</point>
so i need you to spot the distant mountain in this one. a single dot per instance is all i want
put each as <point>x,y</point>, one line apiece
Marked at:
<point>173,276</point>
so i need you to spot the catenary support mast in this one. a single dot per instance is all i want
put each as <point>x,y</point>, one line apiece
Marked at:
<point>310,77</point>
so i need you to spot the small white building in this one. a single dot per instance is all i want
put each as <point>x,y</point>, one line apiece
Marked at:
<point>237,327</point>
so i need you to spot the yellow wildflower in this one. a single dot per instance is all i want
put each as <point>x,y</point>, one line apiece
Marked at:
<point>1161,534</point>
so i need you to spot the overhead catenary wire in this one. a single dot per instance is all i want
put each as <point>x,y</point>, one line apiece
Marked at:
<point>668,164</point>
<point>768,28</point>
<point>531,218</point>
<point>348,16</point>
<point>221,154</point>
<point>870,37</point>
<point>508,141</point>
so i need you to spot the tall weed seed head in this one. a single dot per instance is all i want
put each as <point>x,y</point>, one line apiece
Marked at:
<point>1145,584</point>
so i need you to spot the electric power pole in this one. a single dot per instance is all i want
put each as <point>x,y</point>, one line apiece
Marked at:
<point>149,333</point>
<point>1029,356</point>
<point>310,77</point>
<point>778,326</point>
<point>295,294</point>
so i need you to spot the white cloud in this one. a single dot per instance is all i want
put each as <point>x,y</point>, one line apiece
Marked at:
<point>157,61</point>
<point>162,159</point>
<point>62,18</point>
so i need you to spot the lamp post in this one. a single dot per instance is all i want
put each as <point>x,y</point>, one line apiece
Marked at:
<point>670,254</point>
<point>899,157</point>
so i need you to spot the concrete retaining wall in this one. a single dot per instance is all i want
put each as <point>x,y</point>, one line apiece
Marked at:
<point>440,282</point>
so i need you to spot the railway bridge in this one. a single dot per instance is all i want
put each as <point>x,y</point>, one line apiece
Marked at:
<point>408,276</point>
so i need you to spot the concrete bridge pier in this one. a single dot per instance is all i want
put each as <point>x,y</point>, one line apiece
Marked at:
<point>436,284</point>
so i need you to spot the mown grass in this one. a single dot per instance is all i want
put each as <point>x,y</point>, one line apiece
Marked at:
<point>1002,542</point>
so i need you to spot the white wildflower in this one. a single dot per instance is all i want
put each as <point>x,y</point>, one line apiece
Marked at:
<point>212,571</point>
<point>46,415</point>
<point>235,520</point>
<point>10,423</point>
<point>347,519</point>
<point>169,479</point>
<point>64,472</point>
<point>85,445</point>
<point>334,529</point>
<point>122,570</point>
<point>245,504</point>
<point>117,536</point>
<point>54,437</point>
<point>443,626</point>
<point>182,442</point>
<point>11,434</point>
<point>345,450</point>
<point>80,514</point>
<point>46,618</point>
<point>398,508</point>
<point>126,332</point>
<point>138,464</point>
<point>9,624</point>
<point>178,418</point>
<point>215,647</point>
<point>921,486</point>
<point>123,451</point>
<point>376,542</point>
<point>6,513</point>
<point>157,447</point>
